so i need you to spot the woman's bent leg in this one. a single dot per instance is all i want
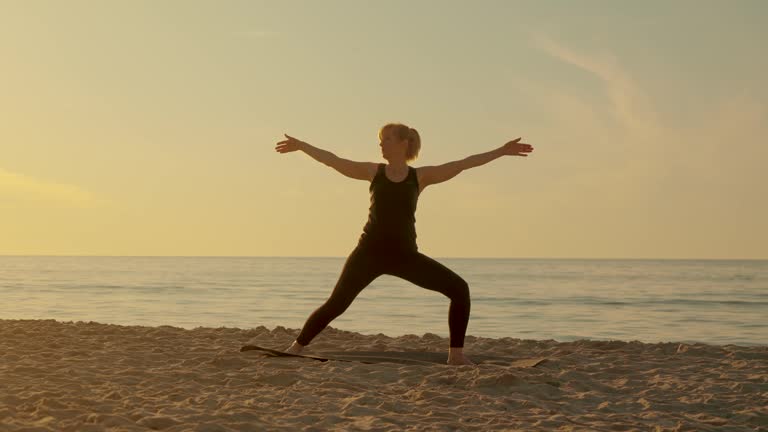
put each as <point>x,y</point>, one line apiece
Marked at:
<point>425,272</point>
<point>359,271</point>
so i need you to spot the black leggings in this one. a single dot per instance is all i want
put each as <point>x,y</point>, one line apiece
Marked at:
<point>367,262</point>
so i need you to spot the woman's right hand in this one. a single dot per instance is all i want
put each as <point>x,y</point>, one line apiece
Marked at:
<point>289,145</point>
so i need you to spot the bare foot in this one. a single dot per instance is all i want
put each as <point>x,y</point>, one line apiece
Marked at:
<point>457,357</point>
<point>295,348</point>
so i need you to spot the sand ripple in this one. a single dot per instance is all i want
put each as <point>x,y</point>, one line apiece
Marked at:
<point>57,376</point>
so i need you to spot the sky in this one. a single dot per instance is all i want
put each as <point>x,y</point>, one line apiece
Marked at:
<point>148,128</point>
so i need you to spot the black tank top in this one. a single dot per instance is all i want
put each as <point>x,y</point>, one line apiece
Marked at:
<point>392,215</point>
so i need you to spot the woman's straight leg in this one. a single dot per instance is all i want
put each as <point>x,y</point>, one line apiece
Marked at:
<point>359,271</point>
<point>425,272</point>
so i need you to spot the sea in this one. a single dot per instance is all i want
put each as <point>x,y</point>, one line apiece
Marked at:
<point>707,301</point>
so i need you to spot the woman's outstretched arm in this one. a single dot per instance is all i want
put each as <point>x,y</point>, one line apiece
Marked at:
<point>351,169</point>
<point>437,174</point>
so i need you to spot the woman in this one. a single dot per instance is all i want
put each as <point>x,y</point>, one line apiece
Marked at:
<point>388,242</point>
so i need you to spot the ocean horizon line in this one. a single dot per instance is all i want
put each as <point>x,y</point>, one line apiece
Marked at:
<point>344,256</point>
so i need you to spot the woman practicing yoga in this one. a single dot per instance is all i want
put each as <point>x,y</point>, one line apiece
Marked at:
<point>388,242</point>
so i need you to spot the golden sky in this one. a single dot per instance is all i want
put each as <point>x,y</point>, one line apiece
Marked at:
<point>148,128</point>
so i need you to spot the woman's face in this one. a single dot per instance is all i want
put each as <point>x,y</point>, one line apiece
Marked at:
<point>390,145</point>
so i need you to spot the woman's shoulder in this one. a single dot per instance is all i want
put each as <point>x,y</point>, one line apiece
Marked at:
<point>376,170</point>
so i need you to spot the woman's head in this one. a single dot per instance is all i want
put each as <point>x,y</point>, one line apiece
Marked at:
<point>399,140</point>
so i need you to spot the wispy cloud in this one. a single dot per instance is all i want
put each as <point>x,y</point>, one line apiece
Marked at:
<point>30,188</point>
<point>737,118</point>
<point>630,105</point>
<point>689,178</point>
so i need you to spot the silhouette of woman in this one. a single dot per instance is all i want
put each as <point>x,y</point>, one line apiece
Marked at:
<point>388,242</point>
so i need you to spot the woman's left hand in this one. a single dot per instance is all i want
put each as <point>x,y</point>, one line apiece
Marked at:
<point>516,148</point>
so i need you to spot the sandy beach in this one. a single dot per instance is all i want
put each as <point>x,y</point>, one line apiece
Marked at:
<point>78,376</point>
